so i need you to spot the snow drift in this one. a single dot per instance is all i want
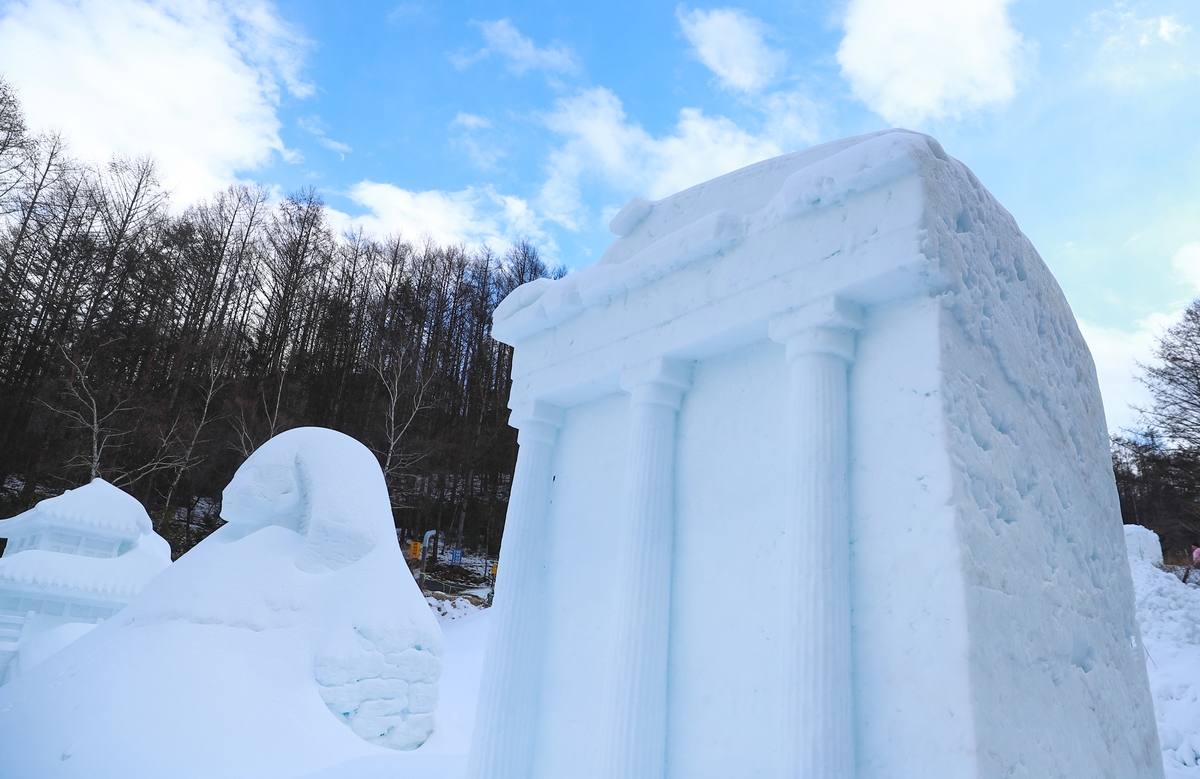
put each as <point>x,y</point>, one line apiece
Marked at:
<point>1169,613</point>
<point>290,639</point>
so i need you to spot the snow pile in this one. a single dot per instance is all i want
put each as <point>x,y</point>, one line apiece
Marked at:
<point>71,561</point>
<point>291,639</point>
<point>449,608</point>
<point>1169,614</point>
<point>1142,544</point>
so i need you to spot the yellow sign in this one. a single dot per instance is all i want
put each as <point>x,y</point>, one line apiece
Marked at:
<point>414,550</point>
<point>494,568</point>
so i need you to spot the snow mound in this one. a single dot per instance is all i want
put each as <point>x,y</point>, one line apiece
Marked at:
<point>1143,544</point>
<point>1168,614</point>
<point>448,608</point>
<point>290,639</point>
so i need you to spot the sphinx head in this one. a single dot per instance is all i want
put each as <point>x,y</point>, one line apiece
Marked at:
<point>319,483</point>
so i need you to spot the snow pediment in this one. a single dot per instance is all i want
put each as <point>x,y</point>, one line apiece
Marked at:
<point>97,509</point>
<point>842,218</point>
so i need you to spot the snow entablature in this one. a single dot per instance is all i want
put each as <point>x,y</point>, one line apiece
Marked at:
<point>75,559</point>
<point>837,421</point>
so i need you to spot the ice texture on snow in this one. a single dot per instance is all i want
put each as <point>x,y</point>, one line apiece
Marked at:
<point>1169,615</point>
<point>992,620</point>
<point>292,638</point>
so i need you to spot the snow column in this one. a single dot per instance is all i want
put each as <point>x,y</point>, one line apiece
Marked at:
<point>634,732</point>
<point>818,707</point>
<point>506,719</point>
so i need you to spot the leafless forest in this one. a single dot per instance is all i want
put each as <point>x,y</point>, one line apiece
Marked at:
<point>156,346</point>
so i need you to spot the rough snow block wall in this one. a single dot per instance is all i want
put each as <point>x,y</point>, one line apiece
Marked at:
<point>813,481</point>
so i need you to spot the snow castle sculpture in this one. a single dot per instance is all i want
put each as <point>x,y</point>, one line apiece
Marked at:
<point>290,639</point>
<point>836,419</point>
<point>71,562</point>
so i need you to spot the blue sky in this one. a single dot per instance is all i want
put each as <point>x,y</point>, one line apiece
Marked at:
<point>481,121</point>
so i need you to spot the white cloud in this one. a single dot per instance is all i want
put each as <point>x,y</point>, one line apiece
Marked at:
<point>1133,51</point>
<point>1118,352</point>
<point>317,128</point>
<point>470,122</point>
<point>1169,29</point>
<point>602,143</point>
<point>475,215</point>
<point>195,83</point>
<point>730,43</point>
<point>505,40</point>
<point>469,133</point>
<point>930,59</point>
<point>1186,262</point>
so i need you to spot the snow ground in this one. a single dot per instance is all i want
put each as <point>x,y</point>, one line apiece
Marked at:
<point>447,608</point>
<point>1169,613</point>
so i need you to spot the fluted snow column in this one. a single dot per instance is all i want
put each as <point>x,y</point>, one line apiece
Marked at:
<point>635,715</point>
<point>818,713</point>
<point>506,719</point>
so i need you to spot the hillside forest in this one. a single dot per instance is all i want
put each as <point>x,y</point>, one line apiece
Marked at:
<point>156,344</point>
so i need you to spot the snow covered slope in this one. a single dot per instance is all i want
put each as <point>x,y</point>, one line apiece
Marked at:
<point>1169,613</point>
<point>290,639</point>
<point>883,396</point>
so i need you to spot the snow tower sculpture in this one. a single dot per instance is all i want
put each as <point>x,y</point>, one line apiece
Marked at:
<point>71,561</point>
<point>813,481</point>
<point>291,639</point>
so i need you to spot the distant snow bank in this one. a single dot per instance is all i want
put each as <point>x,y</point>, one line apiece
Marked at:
<point>447,608</point>
<point>1143,544</point>
<point>1169,612</point>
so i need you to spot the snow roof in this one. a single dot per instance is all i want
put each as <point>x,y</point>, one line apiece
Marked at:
<point>112,579</point>
<point>664,237</point>
<point>865,220</point>
<point>94,509</point>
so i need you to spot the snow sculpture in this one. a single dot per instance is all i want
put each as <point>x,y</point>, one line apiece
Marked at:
<point>71,561</point>
<point>837,419</point>
<point>290,639</point>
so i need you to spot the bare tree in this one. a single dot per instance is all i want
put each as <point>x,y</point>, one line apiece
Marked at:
<point>406,398</point>
<point>213,384</point>
<point>13,140</point>
<point>89,409</point>
<point>1175,382</point>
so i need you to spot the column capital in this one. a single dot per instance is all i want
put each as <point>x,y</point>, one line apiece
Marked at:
<point>537,420</point>
<point>661,381</point>
<point>825,326</point>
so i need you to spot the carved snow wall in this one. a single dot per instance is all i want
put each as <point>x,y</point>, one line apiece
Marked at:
<point>813,481</point>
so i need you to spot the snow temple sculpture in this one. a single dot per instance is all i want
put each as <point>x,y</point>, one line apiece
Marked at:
<point>813,481</point>
<point>291,639</point>
<point>71,562</point>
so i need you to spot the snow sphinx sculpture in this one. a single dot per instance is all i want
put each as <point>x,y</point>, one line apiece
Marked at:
<point>836,417</point>
<point>71,562</point>
<point>290,639</point>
